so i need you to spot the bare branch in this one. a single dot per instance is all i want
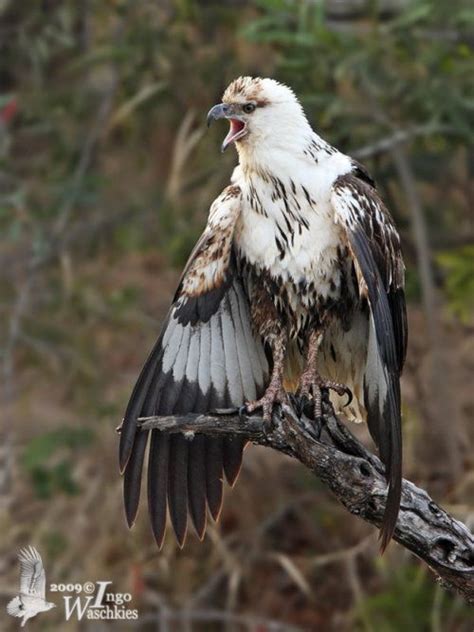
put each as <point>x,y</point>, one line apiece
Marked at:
<point>397,138</point>
<point>356,477</point>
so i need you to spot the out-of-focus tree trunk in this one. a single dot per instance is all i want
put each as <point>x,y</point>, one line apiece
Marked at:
<point>442,447</point>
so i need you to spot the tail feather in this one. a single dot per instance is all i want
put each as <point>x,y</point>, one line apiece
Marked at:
<point>178,486</point>
<point>197,484</point>
<point>133,477</point>
<point>214,467</point>
<point>233,449</point>
<point>158,484</point>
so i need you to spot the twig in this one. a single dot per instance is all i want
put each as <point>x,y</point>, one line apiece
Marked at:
<point>340,556</point>
<point>399,137</point>
<point>356,477</point>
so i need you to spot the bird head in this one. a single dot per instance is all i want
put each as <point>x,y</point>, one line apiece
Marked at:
<point>263,114</point>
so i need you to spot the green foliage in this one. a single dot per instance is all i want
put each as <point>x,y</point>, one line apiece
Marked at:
<point>55,543</point>
<point>49,460</point>
<point>410,601</point>
<point>391,66</point>
<point>458,267</point>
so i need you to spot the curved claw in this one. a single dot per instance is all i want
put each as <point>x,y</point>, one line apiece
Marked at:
<point>347,391</point>
<point>242,411</point>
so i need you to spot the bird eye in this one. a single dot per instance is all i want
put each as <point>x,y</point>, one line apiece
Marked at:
<point>249,107</point>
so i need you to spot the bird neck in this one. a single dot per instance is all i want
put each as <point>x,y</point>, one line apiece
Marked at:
<point>279,155</point>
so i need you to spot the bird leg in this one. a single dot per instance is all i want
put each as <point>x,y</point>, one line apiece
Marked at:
<point>311,384</point>
<point>275,393</point>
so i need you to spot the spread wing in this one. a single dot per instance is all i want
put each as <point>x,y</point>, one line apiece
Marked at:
<point>375,248</point>
<point>205,358</point>
<point>32,575</point>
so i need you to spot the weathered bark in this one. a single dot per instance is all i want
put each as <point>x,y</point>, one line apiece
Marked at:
<point>356,477</point>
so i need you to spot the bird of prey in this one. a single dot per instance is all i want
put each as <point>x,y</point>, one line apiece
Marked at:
<point>296,284</point>
<point>31,599</point>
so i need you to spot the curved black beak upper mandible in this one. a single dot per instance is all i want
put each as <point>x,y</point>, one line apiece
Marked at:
<point>222,110</point>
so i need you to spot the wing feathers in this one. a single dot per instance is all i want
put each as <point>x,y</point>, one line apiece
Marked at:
<point>205,358</point>
<point>179,365</point>
<point>245,365</point>
<point>231,355</point>
<point>133,478</point>
<point>256,353</point>
<point>173,344</point>
<point>217,362</point>
<point>32,575</point>
<point>375,249</point>
<point>178,485</point>
<point>204,369</point>
<point>158,484</point>
<point>214,475</point>
<point>232,458</point>
<point>197,484</point>
<point>400,326</point>
<point>135,404</point>
<point>385,423</point>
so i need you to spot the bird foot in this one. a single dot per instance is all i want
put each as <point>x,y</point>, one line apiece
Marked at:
<point>275,394</point>
<point>312,387</point>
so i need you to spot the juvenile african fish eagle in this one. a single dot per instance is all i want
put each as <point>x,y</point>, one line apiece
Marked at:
<point>295,284</point>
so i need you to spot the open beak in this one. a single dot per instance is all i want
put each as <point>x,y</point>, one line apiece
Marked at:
<point>238,127</point>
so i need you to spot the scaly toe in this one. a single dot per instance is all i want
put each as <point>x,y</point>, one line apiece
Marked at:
<point>267,404</point>
<point>267,409</point>
<point>252,406</point>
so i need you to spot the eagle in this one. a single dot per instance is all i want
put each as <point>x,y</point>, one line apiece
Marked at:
<point>295,285</point>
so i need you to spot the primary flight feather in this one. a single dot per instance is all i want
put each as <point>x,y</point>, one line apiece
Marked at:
<point>295,284</point>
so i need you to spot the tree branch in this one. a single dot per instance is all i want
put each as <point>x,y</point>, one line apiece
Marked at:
<point>355,476</point>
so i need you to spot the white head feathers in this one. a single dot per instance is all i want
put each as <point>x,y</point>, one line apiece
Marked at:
<point>273,117</point>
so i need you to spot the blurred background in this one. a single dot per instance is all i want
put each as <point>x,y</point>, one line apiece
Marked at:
<point>106,176</point>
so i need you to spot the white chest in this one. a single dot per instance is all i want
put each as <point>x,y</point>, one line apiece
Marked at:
<point>287,228</point>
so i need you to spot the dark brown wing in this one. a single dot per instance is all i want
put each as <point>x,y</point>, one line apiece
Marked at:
<point>205,358</point>
<point>375,247</point>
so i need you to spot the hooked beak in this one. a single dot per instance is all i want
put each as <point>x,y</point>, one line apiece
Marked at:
<point>238,127</point>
